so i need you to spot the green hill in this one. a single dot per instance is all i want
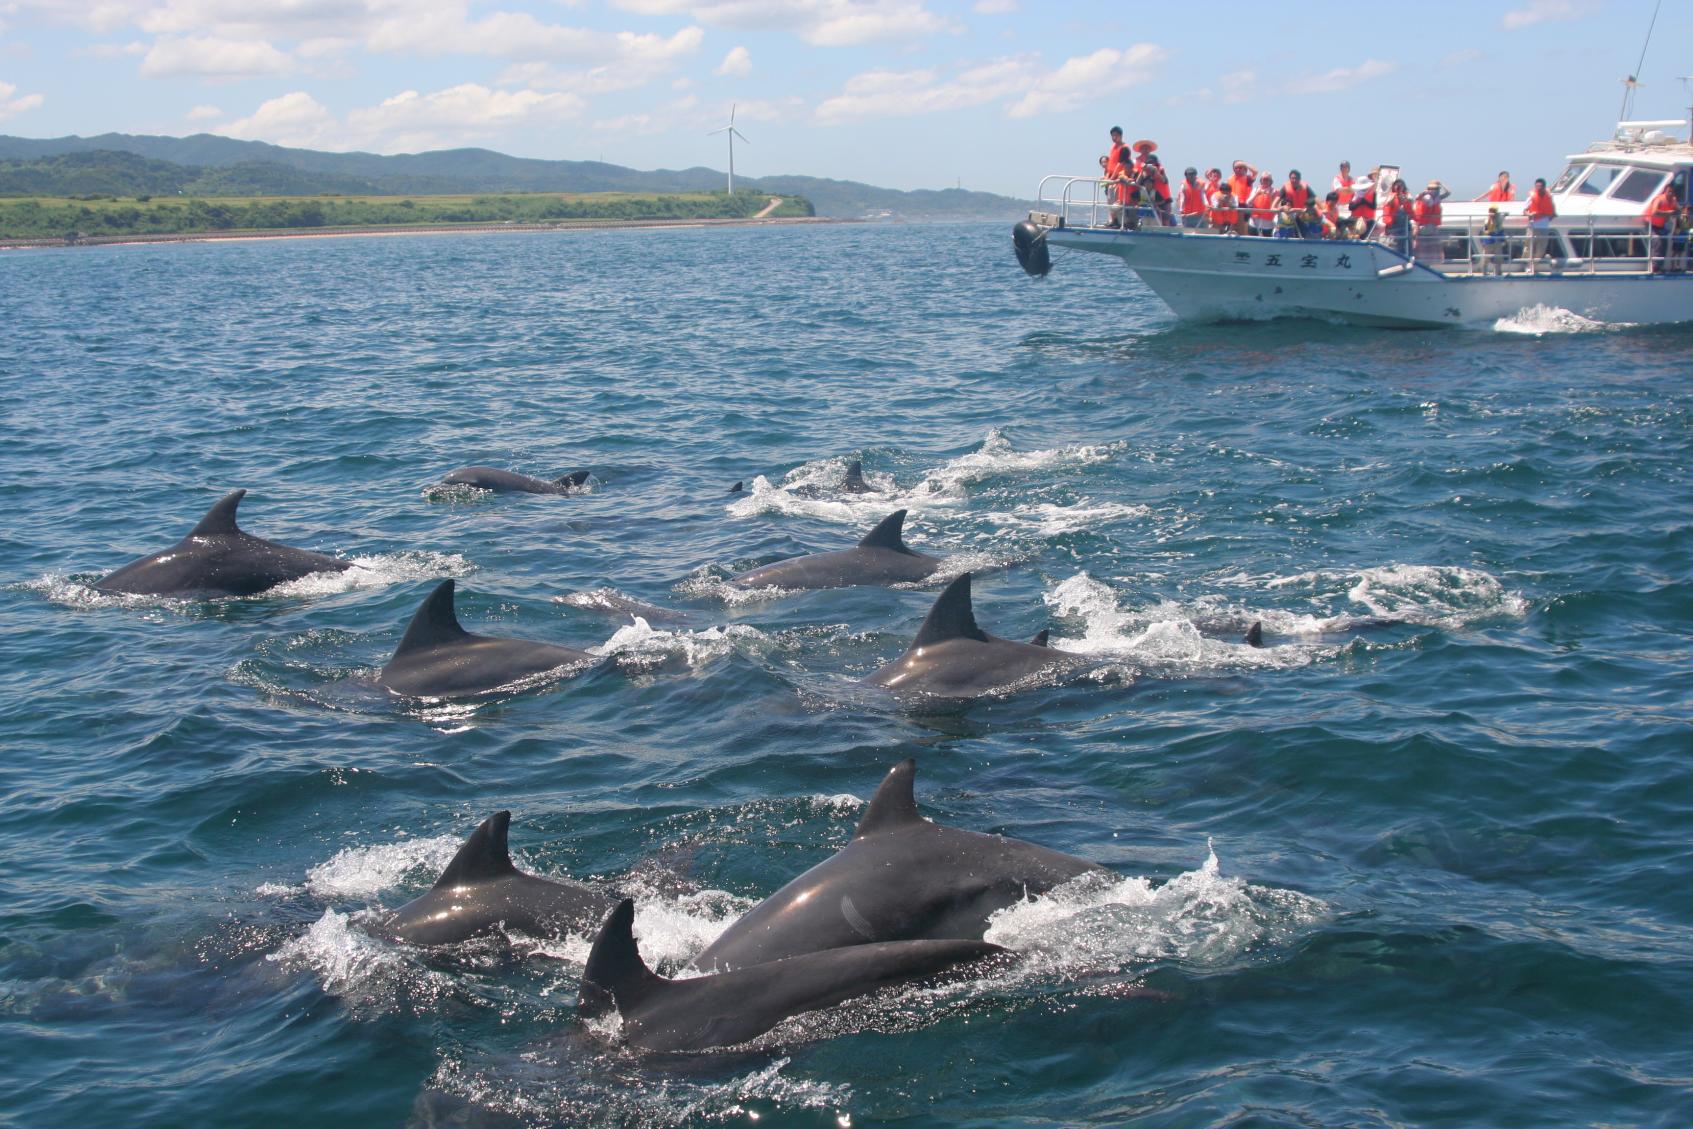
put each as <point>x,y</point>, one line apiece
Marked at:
<point>207,165</point>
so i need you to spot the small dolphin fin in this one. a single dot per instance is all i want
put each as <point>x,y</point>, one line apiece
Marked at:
<point>573,479</point>
<point>855,483</point>
<point>435,622</point>
<point>484,855</point>
<point>1255,634</point>
<point>887,534</point>
<point>738,488</point>
<point>1041,637</point>
<point>220,519</point>
<point>615,966</point>
<point>894,804</point>
<point>951,618</point>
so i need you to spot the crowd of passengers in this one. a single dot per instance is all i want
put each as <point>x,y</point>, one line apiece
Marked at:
<point>1249,202</point>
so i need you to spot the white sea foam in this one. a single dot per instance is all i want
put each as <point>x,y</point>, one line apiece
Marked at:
<point>1434,595</point>
<point>1540,320</point>
<point>1162,636</point>
<point>671,929</point>
<point>1049,519</point>
<point>349,963</point>
<point>996,457</point>
<point>361,872</point>
<point>643,645</point>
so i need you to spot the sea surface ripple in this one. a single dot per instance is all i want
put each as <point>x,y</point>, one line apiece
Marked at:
<point>1423,859</point>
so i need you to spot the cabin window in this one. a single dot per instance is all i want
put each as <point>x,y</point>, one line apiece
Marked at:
<point>1639,185</point>
<point>1599,179</point>
<point>1569,177</point>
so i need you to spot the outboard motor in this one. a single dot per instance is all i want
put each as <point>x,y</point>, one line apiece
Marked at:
<point>1030,243</point>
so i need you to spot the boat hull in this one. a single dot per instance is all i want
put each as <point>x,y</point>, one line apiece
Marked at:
<point>1208,277</point>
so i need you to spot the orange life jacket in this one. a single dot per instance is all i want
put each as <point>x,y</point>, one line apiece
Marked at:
<point>1539,205</point>
<point>1390,210</point>
<point>1343,189</point>
<point>1501,195</point>
<point>1241,186</point>
<point>1364,205</point>
<point>1192,198</point>
<point>1662,207</point>
<point>1223,217</point>
<point>1298,197</point>
<point>1425,211</point>
<point>1262,204</point>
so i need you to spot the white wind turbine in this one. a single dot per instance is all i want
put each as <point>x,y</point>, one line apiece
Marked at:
<point>733,133</point>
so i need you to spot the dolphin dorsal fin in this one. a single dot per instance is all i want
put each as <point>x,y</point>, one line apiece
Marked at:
<point>615,966</point>
<point>1255,634</point>
<point>435,622</point>
<point>574,479</point>
<point>887,534</point>
<point>951,618</point>
<point>894,804</point>
<point>1041,637</point>
<point>737,488</point>
<point>220,519</point>
<point>483,856</point>
<point>855,483</point>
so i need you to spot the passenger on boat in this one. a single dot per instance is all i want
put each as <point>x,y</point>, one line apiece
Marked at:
<point>1122,190</point>
<point>1661,214</point>
<point>1395,218</point>
<point>1342,185</point>
<point>1683,235</point>
<point>1240,182</point>
<point>1502,192</point>
<point>1262,202</point>
<point>1224,216</point>
<point>1287,222</point>
<point>1495,249</point>
<point>1190,198</point>
<point>1213,182</point>
<point>1363,207</point>
<point>1313,222</point>
<point>1425,213</point>
<point>1329,209</point>
<point>1155,187</point>
<point>1540,212</point>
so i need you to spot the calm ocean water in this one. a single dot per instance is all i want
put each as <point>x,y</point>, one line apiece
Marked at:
<point>1423,860</point>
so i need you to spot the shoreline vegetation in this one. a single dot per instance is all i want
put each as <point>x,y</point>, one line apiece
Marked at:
<point>46,221</point>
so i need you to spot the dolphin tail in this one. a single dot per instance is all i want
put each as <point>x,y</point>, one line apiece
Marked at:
<point>952,617</point>
<point>895,802</point>
<point>572,480</point>
<point>1255,634</point>
<point>888,534</point>
<point>435,622</point>
<point>1041,637</point>
<point>220,519</point>
<point>483,856</point>
<point>616,975</point>
<point>855,483</point>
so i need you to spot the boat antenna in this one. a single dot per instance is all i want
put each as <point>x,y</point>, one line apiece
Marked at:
<point>1633,80</point>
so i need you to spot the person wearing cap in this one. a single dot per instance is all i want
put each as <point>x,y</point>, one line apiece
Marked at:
<point>1494,248</point>
<point>1190,199</point>
<point>1261,220</point>
<point>1425,214</point>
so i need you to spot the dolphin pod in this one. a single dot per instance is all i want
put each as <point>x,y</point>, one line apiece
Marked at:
<point>901,878</point>
<point>880,557</point>
<point>508,482</point>
<point>437,658</point>
<point>951,657</point>
<point>218,559</point>
<point>727,1008</point>
<point>480,890</point>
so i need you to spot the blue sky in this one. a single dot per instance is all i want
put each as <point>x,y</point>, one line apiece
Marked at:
<point>905,93</point>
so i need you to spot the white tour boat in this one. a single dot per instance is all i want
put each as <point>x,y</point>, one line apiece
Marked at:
<point>1598,262</point>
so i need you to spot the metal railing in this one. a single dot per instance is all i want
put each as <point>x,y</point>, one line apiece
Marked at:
<point>1596,247</point>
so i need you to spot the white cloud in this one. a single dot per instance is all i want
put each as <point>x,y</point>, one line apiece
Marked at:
<point>407,122</point>
<point>885,93</point>
<point>1086,77</point>
<point>203,114</point>
<point>995,7</point>
<point>635,60</point>
<point>1341,78</point>
<point>1543,11</point>
<point>736,64</point>
<point>822,23</point>
<point>210,57</point>
<point>11,106</point>
<point>1238,86</point>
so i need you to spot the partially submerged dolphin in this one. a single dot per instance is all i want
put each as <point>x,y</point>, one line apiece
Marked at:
<point>481,890</point>
<point>855,483</point>
<point>437,658</point>
<point>721,1010</point>
<point>507,482</point>
<point>880,557</point>
<point>218,559</point>
<point>902,878</point>
<point>953,658</point>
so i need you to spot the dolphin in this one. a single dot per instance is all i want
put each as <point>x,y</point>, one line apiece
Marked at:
<point>506,482</point>
<point>218,559</point>
<point>881,557</point>
<point>727,1008</point>
<point>481,889</point>
<point>855,483</point>
<point>953,658</point>
<point>902,878</point>
<point>437,658</point>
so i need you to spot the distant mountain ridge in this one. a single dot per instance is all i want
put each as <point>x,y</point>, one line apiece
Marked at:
<point>212,165</point>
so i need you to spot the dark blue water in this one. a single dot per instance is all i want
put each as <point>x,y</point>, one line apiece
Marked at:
<point>1422,860</point>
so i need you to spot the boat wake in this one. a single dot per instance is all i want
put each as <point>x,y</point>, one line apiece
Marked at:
<point>1537,321</point>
